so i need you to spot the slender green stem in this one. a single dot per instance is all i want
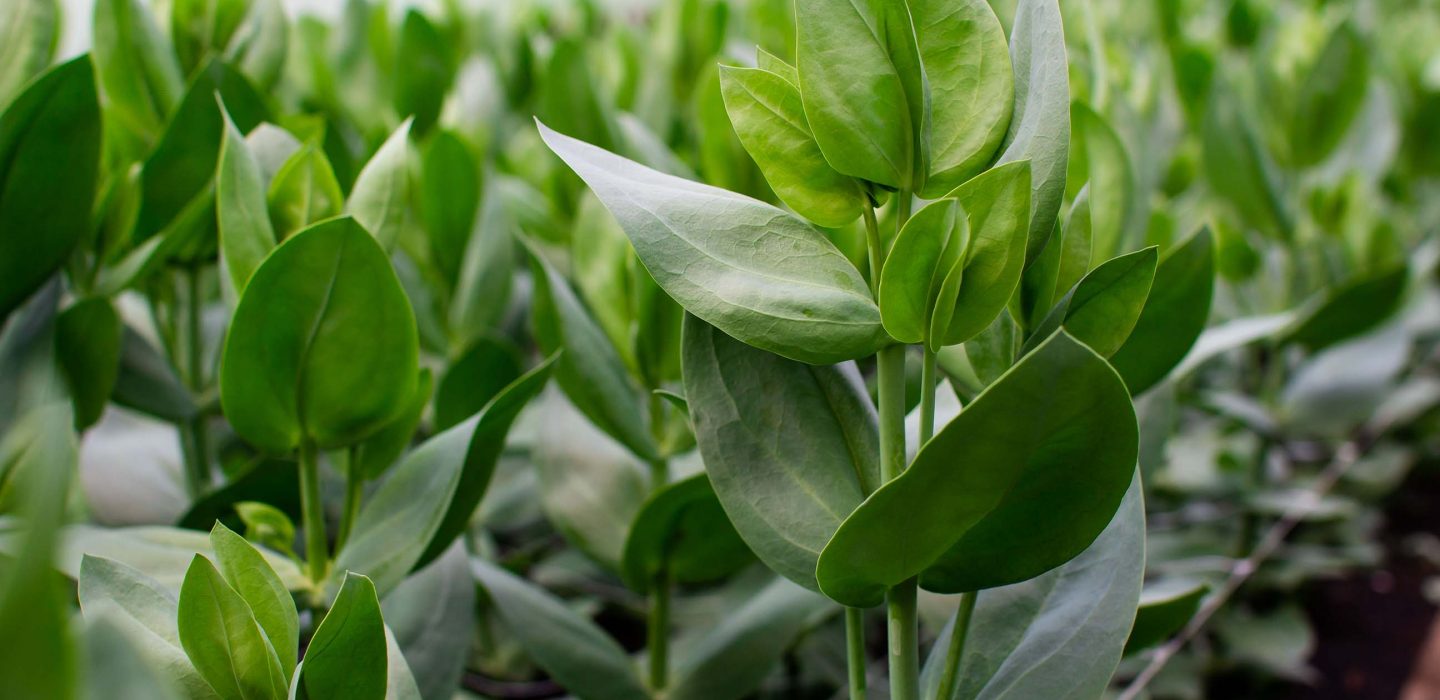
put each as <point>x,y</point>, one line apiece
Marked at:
<point>354,491</point>
<point>927,395</point>
<point>855,651</point>
<point>875,248</point>
<point>956,650</point>
<point>891,370</point>
<point>313,513</point>
<point>904,642</point>
<point>659,468</point>
<point>658,638</point>
<point>197,451</point>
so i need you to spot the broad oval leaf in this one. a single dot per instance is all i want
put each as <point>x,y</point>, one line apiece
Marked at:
<point>245,569</point>
<point>323,343</point>
<point>1350,309</point>
<point>573,650</point>
<point>382,190</point>
<point>1040,126</point>
<point>1103,307</point>
<point>347,657</point>
<point>1174,314</point>
<point>682,531</point>
<point>49,164</point>
<point>972,87</point>
<point>767,114</point>
<point>1060,635</point>
<point>223,639</point>
<point>791,449</point>
<point>998,205</point>
<point>1025,497</point>
<point>1330,97</point>
<point>744,266</point>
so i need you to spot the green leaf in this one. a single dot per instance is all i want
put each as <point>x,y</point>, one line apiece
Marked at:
<point>241,210</point>
<point>323,343</point>
<point>148,383</point>
<point>590,370</point>
<point>731,660</point>
<point>1238,167</point>
<point>260,45</point>
<point>428,500</point>
<point>87,344</point>
<point>222,638</point>
<point>769,118</point>
<point>603,265</point>
<point>1026,497</point>
<point>248,573</point>
<point>972,88</point>
<point>382,190</point>
<point>146,611</point>
<point>791,449</point>
<point>1040,126</point>
<point>682,531</point>
<point>267,525</point>
<point>915,301</point>
<point>570,99</point>
<point>766,61</point>
<point>1099,163</point>
<point>423,72</point>
<point>488,366</point>
<point>449,197</point>
<point>994,349</point>
<point>1331,96</point>
<point>1350,309</point>
<point>164,553</point>
<point>1105,305</point>
<point>997,202</point>
<point>373,456</point>
<point>49,163</point>
<point>575,652</point>
<point>432,617</point>
<point>203,27</point>
<point>303,192</point>
<point>347,656</point>
<point>137,66</point>
<point>487,270</point>
<point>1060,635</point>
<point>1174,315</point>
<point>863,88</point>
<point>116,668</point>
<point>750,269</point>
<point>28,32</point>
<point>1165,607</point>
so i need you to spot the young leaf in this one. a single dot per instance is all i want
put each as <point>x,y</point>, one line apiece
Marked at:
<point>222,638</point>
<point>303,192</point>
<point>87,343</point>
<point>972,87</point>
<point>1017,504</point>
<point>590,370</point>
<point>790,448</point>
<point>242,214</point>
<point>137,66</point>
<point>1165,607</point>
<point>1099,163</point>
<point>1358,305</point>
<point>1105,305</point>
<point>382,190</point>
<point>448,198</point>
<point>997,203</point>
<point>1173,316</point>
<point>1040,126</point>
<point>769,118</point>
<point>576,653</point>
<point>323,343</point>
<point>931,247</point>
<point>428,500</point>
<point>249,574</point>
<point>682,531</point>
<point>203,27</point>
<point>488,366</point>
<point>347,656</point>
<point>423,72</point>
<point>1060,635</point>
<point>49,163</point>
<point>862,86</point>
<point>750,269</point>
<point>28,30</point>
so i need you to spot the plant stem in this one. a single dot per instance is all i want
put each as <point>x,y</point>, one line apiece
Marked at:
<point>875,248</point>
<point>855,651</point>
<point>657,640</point>
<point>313,513</point>
<point>354,491</point>
<point>197,460</point>
<point>890,363</point>
<point>659,468</point>
<point>956,650</point>
<point>904,642</point>
<point>927,395</point>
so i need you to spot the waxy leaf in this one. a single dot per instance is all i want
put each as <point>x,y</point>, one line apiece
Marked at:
<point>303,192</point>
<point>323,343</point>
<point>428,500</point>
<point>28,30</point>
<point>448,197</point>
<point>223,639</point>
<point>929,250</point>
<point>116,667</point>
<point>863,88</point>
<point>373,456</point>
<point>87,344</point>
<point>750,269</point>
<point>682,532</point>
<point>49,162</point>
<point>347,656</point>
<point>1103,307</point>
<point>997,204</point>
<point>246,570</point>
<point>1060,635</point>
<point>1174,315</point>
<point>790,448</point>
<point>1330,96</point>
<point>382,190</point>
<point>769,118</point>
<point>246,234</point>
<point>972,87</point>
<point>137,66</point>
<point>573,650</point>
<point>1099,163</point>
<point>432,618</point>
<point>474,378</point>
<point>590,370</point>
<point>1040,126</point>
<point>1025,497</point>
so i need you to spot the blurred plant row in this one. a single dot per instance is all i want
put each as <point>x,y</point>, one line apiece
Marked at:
<point>335,363</point>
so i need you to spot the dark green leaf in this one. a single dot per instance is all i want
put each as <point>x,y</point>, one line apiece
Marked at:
<point>423,72</point>
<point>1104,306</point>
<point>1165,607</point>
<point>147,382</point>
<point>373,456</point>
<point>682,531</point>
<point>1352,308</point>
<point>87,344</point>
<point>347,656</point>
<point>1173,317</point>
<point>1330,96</point>
<point>488,366</point>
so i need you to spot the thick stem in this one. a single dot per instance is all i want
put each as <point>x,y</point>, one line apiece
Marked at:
<point>956,650</point>
<point>855,651</point>
<point>313,513</point>
<point>354,491</point>
<point>658,638</point>
<point>904,642</point>
<point>197,451</point>
<point>927,395</point>
<point>890,363</point>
